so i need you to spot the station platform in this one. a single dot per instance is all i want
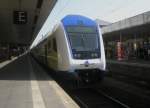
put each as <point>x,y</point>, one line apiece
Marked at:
<point>2,64</point>
<point>24,84</point>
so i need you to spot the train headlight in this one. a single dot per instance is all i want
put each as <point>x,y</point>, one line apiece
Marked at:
<point>79,55</point>
<point>75,55</point>
<point>92,54</point>
<point>96,55</point>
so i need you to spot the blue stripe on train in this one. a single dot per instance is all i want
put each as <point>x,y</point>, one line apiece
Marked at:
<point>77,20</point>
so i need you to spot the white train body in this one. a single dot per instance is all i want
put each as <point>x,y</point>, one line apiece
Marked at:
<point>66,62</point>
<point>74,47</point>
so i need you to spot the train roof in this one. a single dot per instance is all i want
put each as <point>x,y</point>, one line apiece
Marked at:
<point>78,20</point>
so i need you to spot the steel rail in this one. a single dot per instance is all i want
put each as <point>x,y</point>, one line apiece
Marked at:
<point>112,99</point>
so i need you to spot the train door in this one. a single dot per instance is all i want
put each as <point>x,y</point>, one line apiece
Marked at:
<point>45,57</point>
<point>55,57</point>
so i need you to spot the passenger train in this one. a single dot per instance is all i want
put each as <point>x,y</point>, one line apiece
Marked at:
<point>75,49</point>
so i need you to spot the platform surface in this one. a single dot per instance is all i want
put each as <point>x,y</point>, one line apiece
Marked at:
<point>24,84</point>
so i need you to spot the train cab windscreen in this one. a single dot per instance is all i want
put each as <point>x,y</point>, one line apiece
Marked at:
<point>79,29</point>
<point>84,40</point>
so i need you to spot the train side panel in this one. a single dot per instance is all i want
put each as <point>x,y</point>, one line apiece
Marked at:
<point>63,49</point>
<point>52,56</point>
<point>102,59</point>
<point>39,52</point>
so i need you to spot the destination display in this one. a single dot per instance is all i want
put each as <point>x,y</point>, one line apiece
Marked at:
<point>80,29</point>
<point>20,17</point>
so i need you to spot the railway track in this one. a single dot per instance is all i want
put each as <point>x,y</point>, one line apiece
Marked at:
<point>92,98</point>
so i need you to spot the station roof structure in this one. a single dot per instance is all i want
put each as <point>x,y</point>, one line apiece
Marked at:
<point>21,20</point>
<point>102,23</point>
<point>136,26</point>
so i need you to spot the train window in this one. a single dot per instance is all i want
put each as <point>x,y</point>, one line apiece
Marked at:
<point>54,45</point>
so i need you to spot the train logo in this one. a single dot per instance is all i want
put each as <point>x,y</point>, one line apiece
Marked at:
<point>86,64</point>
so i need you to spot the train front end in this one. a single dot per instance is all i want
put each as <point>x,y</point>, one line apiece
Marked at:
<point>86,49</point>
